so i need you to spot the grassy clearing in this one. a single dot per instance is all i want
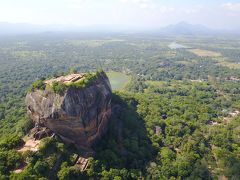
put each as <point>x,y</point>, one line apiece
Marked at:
<point>175,83</point>
<point>229,65</point>
<point>205,53</point>
<point>222,61</point>
<point>156,83</point>
<point>118,80</point>
<point>29,54</point>
<point>92,43</point>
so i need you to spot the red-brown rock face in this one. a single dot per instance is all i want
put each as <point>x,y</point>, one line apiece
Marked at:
<point>79,115</point>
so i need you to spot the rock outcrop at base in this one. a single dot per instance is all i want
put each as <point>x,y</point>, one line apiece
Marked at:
<point>79,115</point>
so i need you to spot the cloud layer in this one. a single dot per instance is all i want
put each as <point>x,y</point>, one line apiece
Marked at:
<point>141,13</point>
<point>232,6</point>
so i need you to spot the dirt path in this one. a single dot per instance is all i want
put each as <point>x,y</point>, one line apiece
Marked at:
<point>30,145</point>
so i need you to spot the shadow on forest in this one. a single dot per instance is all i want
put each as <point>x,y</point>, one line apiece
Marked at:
<point>126,144</point>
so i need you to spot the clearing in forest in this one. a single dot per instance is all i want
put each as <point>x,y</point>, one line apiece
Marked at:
<point>30,145</point>
<point>205,53</point>
<point>225,62</point>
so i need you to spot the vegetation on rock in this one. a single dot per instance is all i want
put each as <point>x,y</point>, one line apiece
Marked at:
<point>86,80</point>
<point>58,87</point>
<point>39,84</point>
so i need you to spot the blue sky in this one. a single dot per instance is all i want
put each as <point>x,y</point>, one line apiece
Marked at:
<point>134,13</point>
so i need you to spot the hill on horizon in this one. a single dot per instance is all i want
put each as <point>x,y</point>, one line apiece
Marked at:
<point>181,28</point>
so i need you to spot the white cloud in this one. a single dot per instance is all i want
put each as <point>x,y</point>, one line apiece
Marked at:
<point>166,9</point>
<point>162,7</point>
<point>231,6</point>
<point>193,10</point>
<point>135,1</point>
<point>76,4</point>
<point>141,3</point>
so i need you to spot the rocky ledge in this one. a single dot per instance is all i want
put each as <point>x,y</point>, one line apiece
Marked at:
<point>79,113</point>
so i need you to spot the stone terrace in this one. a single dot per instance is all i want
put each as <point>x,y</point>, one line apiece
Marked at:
<point>66,79</point>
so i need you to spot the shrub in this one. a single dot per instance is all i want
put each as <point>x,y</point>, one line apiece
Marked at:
<point>11,141</point>
<point>39,84</point>
<point>88,78</point>
<point>59,87</point>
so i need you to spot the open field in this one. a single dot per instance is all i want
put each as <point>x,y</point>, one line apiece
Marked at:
<point>223,61</point>
<point>118,80</point>
<point>205,53</point>
<point>175,83</point>
<point>156,83</point>
<point>229,65</point>
<point>92,43</point>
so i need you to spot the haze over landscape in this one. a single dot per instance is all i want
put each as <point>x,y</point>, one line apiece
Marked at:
<point>118,14</point>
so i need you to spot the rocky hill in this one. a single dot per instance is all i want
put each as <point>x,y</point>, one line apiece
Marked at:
<point>76,107</point>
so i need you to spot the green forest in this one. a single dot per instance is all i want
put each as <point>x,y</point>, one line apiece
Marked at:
<point>180,116</point>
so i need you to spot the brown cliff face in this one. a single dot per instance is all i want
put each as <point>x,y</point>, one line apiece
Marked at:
<point>79,115</point>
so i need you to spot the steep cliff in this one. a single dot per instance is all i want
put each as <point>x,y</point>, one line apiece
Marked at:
<point>78,113</point>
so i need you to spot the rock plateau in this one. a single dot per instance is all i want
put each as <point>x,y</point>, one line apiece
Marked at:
<point>79,115</point>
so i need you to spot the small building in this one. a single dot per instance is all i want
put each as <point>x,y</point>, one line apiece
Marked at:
<point>82,163</point>
<point>158,130</point>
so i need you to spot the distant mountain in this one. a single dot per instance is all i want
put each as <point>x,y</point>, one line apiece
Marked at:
<point>184,28</point>
<point>181,28</point>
